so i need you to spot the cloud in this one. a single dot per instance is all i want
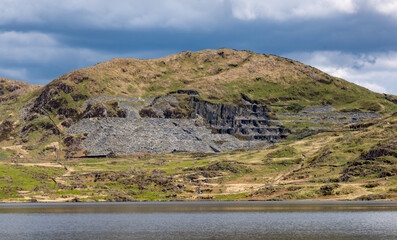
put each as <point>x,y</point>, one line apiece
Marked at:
<point>23,52</point>
<point>290,9</point>
<point>116,14</point>
<point>22,47</point>
<point>34,48</point>
<point>35,56</point>
<point>180,14</point>
<point>285,10</point>
<point>13,73</point>
<point>373,86</point>
<point>375,71</point>
<point>54,37</point>
<point>41,48</point>
<point>385,7</point>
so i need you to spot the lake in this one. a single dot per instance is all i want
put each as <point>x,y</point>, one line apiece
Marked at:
<point>200,220</point>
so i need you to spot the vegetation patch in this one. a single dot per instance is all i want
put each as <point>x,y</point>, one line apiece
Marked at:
<point>327,190</point>
<point>283,152</point>
<point>148,113</point>
<point>371,185</point>
<point>372,197</point>
<point>363,168</point>
<point>233,167</point>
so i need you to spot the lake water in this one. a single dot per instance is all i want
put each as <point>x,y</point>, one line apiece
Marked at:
<point>200,220</point>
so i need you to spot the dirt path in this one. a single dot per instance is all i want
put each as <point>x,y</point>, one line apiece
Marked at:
<point>276,181</point>
<point>240,187</point>
<point>17,148</point>
<point>281,176</point>
<point>60,179</point>
<point>46,164</point>
<point>68,173</point>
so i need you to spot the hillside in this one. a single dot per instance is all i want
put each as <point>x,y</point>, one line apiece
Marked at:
<point>237,93</point>
<point>356,162</point>
<point>219,124</point>
<point>218,76</point>
<point>10,89</point>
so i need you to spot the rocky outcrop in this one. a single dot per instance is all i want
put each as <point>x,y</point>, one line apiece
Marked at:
<point>11,90</point>
<point>250,120</point>
<point>181,122</point>
<point>319,109</point>
<point>176,124</point>
<point>133,135</point>
<point>312,120</point>
<point>330,117</point>
<point>391,98</point>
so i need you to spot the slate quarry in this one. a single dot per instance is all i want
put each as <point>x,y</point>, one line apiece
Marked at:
<point>208,127</point>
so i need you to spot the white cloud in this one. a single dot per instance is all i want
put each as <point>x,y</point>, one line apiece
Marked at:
<point>290,9</point>
<point>386,7</point>
<point>375,71</point>
<point>127,14</point>
<point>112,14</point>
<point>22,47</point>
<point>284,10</point>
<point>13,73</point>
<point>20,51</point>
<point>373,86</point>
<point>40,48</point>
<point>26,11</point>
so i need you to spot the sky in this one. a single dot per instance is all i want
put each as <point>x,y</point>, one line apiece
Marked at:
<point>353,39</point>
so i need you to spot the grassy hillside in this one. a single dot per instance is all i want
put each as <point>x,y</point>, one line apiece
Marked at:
<point>219,76</point>
<point>346,162</point>
<point>14,94</point>
<point>11,89</point>
<point>357,162</point>
<point>28,113</point>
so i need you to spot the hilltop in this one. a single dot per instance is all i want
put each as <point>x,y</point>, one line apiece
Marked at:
<point>219,76</point>
<point>11,89</point>
<point>264,123</point>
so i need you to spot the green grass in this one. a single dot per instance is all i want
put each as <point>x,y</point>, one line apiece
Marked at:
<point>21,178</point>
<point>232,197</point>
<point>284,153</point>
<point>3,155</point>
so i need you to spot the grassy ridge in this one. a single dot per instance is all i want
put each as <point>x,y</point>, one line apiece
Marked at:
<point>220,76</point>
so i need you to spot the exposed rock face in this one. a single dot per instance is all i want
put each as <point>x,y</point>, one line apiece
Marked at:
<point>320,109</point>
<point>182,122</point>
<point>166,124</point>
<point>248,120</point>
<point>332,117</point>
<point>391,98</point>
<point>133,135</point>
<point>322,115</point>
